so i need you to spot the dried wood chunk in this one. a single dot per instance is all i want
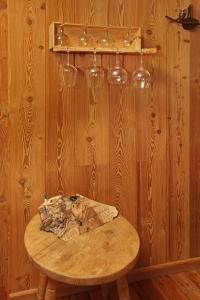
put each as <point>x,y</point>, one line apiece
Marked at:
<point>70,216</point>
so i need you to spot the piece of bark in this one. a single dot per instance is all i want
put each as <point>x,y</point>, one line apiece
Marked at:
<point>70,216</point>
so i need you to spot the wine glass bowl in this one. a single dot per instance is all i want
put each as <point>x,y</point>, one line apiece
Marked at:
<point>62,38</point>
<point>141,78</point>
<point>127,41</point>
<point>59,35</point>
<point>105,41</point>
<point>117,75</point>
<point>94,74</point>
<point>69,73</point>
<point>84,39</point>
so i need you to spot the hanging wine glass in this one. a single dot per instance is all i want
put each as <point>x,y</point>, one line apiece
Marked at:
<point>59,35</point>
<point>84,38</point>
<point>104,40</point>
<point>69,73</point>
<point>94,74</point>
<point>141,78</point>
<point>117,74</point>
<point>62,37</point>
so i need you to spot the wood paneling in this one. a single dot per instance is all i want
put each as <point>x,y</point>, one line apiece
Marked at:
<point>138,150</point>
<point>178,43</point>
<point>195,139</point>
<point>151,141</point>
<point>26,54</point>
<point>60,123</point>
<point>131,148</point>
<point>4,114</point>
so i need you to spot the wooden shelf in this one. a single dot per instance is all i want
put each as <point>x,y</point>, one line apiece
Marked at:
<point>103,50</point>
<point>72,33</point>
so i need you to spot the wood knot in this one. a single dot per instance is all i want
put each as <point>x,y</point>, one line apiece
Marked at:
<point>159,131</point>
<point>89,139</point>
<point>149,31</point>
<point>43,6</point>
<point>41,47</point>
<point>29,21</point>
<point>176,66</point>
<point>22,181</point>
<point>28,96</point>
<point>29,99</point>
<point>2,199</point>
<point>158,47</point>
<point>3,4</point>
<point>4,114</point>
<point>153,115</point>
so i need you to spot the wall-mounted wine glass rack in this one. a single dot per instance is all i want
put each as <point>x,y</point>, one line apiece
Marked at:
<point>65,37</point>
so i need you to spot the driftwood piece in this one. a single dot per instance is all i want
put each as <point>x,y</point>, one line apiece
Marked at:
<point>70,216</point>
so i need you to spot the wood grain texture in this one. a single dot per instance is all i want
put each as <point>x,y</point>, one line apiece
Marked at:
<point>131,148</point>
<point>26,21</point>
<point>151,141</point>
<point>60,101</point>
<point>178,42</point>
<point>138,150</point>
<point>194,141</point>
<point>122,140</point>
<point>91,119</point>
<point>97,257</point>
<point>160,288</point>
<point>4,159</point>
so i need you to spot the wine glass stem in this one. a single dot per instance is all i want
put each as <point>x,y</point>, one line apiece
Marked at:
<point>117,59</point>
<point>68,57</point>
<point>95,59</point>
<point>141,60</point>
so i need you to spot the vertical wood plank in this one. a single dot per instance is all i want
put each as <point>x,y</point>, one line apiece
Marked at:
<point>194,139</point>
<point>59,111</point>
<point>122,143</point>
<point>151,140</point>
<point>178,43</point>
<point>91,118</point>
<point>27,130</point>
<point>4,129</point>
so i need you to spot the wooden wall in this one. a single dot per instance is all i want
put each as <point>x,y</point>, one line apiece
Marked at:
<point>195,141</point>
<point>138,150</point>
<point>3,150</point>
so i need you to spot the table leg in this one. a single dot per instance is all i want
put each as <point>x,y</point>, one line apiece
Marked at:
<point>42,287</point>
<point>122,288</point>
<point>104,292</point>
<point>50,290</point>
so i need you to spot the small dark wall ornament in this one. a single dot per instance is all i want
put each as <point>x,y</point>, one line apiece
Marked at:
<point>185,18</point>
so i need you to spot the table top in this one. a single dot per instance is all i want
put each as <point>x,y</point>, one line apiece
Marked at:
<point>97,257</point>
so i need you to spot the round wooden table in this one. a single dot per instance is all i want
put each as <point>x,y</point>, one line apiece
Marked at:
<point>100,256</point>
